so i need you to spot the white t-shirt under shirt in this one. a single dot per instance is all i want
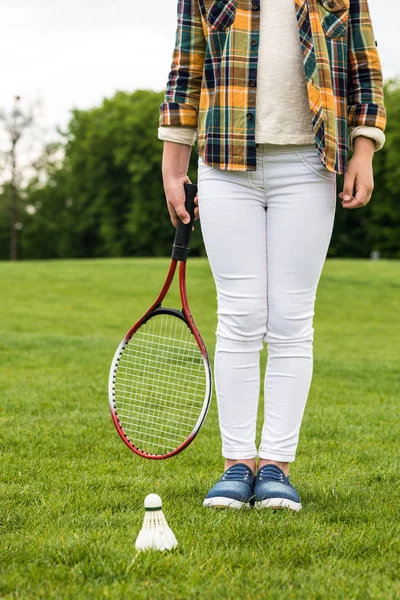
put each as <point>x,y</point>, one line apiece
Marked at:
<point>283,114</point>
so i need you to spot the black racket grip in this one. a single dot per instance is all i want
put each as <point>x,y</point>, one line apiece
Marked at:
<point>180,249</point>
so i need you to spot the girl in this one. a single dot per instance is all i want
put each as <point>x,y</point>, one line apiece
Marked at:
<point>276,92</point>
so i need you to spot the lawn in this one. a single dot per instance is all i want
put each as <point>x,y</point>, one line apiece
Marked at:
<point>72,494</point>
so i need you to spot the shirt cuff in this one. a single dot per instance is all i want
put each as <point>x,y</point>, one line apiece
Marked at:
<point>179,135</point>
<point>373,133</point>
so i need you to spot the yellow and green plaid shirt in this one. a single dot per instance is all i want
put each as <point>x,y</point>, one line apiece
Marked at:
<point>213,79</point>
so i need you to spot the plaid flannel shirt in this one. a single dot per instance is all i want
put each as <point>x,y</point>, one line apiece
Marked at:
<point>213,79</point>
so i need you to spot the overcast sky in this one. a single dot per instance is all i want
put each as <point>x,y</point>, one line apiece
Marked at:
<point>73,53</point>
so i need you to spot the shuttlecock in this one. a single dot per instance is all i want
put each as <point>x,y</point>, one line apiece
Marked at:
<point>155,533</point>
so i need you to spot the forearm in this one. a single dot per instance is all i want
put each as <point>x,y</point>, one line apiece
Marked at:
<point>175,161</point>
<point>364,146</point>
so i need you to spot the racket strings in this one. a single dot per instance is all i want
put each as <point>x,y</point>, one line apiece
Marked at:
<point>160,385</point>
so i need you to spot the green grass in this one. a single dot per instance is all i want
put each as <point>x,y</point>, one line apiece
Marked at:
<point>71,493</point>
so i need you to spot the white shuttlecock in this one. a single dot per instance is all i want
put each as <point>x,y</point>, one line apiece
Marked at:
<point>155,533</point>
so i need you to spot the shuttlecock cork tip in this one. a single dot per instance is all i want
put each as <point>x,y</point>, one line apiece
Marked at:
<point>153,502</point>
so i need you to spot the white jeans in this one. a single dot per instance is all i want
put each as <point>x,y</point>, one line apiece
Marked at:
<point>266,234</point>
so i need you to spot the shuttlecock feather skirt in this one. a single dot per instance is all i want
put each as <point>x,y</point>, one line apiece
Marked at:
<point>155,533</point>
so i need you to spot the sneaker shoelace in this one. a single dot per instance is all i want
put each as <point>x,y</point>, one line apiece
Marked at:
<point>272,473</point>
<point>237,472</point>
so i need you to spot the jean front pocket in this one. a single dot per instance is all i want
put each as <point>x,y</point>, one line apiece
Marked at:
<point>219,14</point>
<point>204,170</point>
<point>334,15</point>
<point>311,160</point>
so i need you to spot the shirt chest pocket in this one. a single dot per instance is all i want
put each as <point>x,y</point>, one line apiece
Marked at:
<point>334,17</point>
<point>219,14</point>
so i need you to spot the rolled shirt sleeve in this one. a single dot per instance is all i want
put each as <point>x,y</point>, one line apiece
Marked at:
<point>365,80</point>
<point>374,133</point>
<point>179,135</point>
<point>182,96</point>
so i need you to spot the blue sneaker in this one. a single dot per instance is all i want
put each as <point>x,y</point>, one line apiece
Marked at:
<point>272,489</point>
<point>233,490</point>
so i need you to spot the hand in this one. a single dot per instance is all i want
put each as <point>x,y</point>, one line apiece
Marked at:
<point>175,197</point>
<point>359,174</point>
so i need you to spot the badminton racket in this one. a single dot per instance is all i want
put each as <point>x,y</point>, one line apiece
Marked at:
<point>160,379</point>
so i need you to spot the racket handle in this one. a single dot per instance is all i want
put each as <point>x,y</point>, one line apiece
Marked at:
<point>180,249</point>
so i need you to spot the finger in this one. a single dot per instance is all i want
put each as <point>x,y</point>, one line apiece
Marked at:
<point>174,220</point>
<point>172,214</point>
<point>184,217</point>
<point>341,195</point>
<point>351,204</point>
<point>361,195</point>
<point>358,200</point>
<point>196,210</point>
<point>182,213</point>
<point>348,186</point>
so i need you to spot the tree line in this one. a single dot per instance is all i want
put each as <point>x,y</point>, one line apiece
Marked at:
<point>99,192</point>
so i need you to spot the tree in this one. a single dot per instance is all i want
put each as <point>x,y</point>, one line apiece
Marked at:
<point>107,199</point>
<point>101,193</point>
<point>113,160</point>
<point>15,125</point>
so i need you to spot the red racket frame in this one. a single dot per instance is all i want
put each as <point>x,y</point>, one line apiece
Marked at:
<point>190,322</point>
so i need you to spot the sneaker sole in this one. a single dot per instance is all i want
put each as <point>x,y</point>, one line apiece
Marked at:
<point>221,502</point>
<point>279,503</point>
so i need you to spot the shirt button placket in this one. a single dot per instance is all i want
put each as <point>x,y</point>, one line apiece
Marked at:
<point>252,82</point>
<point>250,116</point>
